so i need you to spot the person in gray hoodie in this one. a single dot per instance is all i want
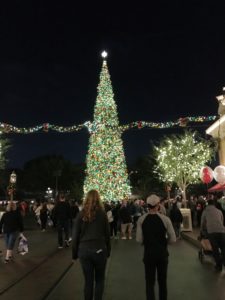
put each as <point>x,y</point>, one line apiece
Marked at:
<point>212,224</point>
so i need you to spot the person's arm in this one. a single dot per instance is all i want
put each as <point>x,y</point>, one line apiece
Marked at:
<point>107,236</point>
<point>139,233</point>
<point>222,217</point>
<point>69,211</point>
<point>20,222</point>
<point>170,232</point>
<point>76,237</point>
<point>169,228</point>
<point>203,222</point>
<point>1,223</point>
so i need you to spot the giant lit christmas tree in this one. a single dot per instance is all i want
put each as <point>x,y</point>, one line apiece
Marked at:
<point>106,166</point>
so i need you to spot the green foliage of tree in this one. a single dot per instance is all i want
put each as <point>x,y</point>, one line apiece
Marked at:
<point>179,159</point>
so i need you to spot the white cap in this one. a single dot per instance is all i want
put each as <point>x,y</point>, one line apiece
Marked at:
<point>153,200</point>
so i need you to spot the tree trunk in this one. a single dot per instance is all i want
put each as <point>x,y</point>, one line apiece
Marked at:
<point>184,195</point>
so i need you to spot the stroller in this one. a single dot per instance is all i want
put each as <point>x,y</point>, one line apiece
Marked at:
<point>206,248</point>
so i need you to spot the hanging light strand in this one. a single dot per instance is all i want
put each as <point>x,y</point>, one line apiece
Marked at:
<point>94,126</point>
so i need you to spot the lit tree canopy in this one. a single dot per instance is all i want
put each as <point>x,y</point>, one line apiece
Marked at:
<point>180,157</point>
<point>4,145</point>
<point>106,167</point>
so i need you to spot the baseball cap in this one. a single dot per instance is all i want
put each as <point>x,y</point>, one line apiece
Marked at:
<point>153,200</point>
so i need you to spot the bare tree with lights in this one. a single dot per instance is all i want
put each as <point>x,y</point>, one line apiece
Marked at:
<point>4,146</point>
<point>179,159</point>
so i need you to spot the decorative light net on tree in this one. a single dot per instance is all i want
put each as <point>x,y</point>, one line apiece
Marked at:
<point>106,167</point>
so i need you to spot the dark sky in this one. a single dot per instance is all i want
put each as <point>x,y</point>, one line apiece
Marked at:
<point>166,61</point>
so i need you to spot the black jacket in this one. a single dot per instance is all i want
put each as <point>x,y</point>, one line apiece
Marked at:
<point>91,235</point>
<point>11,221</point>
<point>176,215</point>
<point>125,215</point>
<point>62,211</point>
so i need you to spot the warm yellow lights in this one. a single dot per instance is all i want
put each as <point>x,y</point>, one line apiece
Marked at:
<point>180,158</point>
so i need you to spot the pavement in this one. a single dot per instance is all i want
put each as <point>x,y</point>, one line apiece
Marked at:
<point>48,273</point>
<point>192,237</point>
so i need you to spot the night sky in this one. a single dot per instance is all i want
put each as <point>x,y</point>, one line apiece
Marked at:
<point>166,61</point>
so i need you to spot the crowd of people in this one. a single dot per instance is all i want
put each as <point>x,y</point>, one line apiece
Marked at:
<point>155,222</point>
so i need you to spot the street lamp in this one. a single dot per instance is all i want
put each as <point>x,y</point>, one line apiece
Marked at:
<point>12,183</point>
<point>49,193</point>
<point>57,174</point>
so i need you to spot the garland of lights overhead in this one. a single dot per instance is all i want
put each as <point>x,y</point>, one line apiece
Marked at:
<point>92,127</point>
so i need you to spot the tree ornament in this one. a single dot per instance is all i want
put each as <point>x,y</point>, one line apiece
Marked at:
<point>6,128</point>
<point>45,127</point>
<point>139,124</point>
<point>183,122</point>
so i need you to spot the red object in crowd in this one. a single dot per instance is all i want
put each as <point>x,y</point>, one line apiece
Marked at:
<point>217,188</point>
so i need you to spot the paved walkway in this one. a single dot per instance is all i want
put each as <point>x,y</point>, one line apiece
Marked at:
<point>192,237</point>
<point>47,273</point>
<point>187,277</point>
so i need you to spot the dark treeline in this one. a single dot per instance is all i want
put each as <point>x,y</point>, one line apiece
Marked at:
<point>46,171</point>
<point>62,175</point>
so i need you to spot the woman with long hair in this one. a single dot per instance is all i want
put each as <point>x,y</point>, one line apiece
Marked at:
<point>91,244</point>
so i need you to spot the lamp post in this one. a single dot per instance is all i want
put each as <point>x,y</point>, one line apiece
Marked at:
<point>49,193</point>
<point>12,183</point>
<point>57,174</point>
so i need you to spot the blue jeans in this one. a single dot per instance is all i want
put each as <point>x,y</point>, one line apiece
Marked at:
<point>10,239</point>
<point>93,263</point>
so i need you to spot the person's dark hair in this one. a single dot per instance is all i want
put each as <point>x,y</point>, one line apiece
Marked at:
<point>61,196</point>
<point>174,205</point>
<point>107,207</point>
<point>44,206</point>
<point>151,206</point>
<point>92,203</point>
<point>211,202</point>
<point>178,198</point>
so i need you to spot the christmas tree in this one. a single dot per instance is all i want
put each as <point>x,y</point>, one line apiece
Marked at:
<point>106,166</point>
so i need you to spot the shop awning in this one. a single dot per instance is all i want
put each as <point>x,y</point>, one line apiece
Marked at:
<point>217,188</point>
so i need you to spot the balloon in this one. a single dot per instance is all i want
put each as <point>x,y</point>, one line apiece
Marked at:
<point>219,174</point>
<point>206,174</point>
